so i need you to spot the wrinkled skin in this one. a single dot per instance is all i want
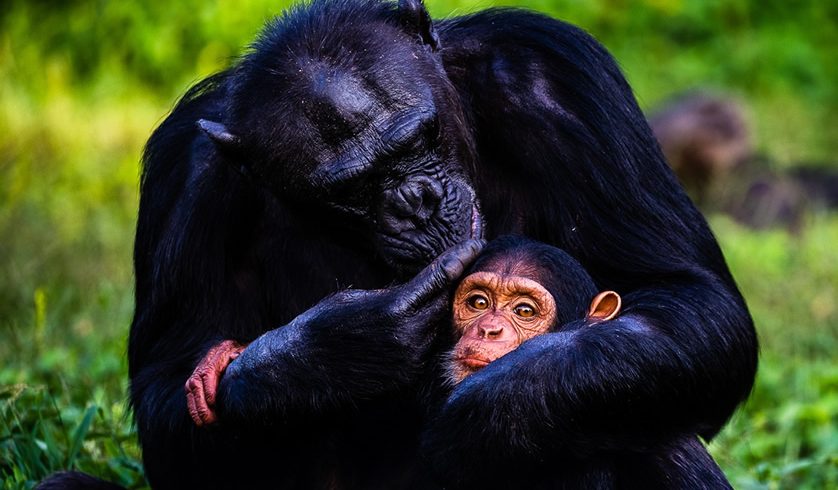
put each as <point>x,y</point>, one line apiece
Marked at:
<point>493,314</point>
<point>202,386</point>
<point>358,145</point>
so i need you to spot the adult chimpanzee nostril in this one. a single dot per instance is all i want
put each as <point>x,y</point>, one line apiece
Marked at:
<point>417,197</point>
<point>399,202</point>
<point>411,194</point>
<point>430,194</point>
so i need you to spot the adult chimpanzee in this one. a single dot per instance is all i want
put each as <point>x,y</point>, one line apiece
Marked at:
<point>516,290</point>
<point>387,139</point>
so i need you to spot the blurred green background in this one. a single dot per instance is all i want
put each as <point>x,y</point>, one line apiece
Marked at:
<point>83,83</point>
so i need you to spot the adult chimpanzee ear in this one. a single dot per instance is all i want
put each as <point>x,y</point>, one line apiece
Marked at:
<point>415,18</point>
<point>606,306</point>
<point>219,134</point>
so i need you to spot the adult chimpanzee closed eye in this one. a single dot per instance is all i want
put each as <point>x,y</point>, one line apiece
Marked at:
<point>385,139</point>
<point>518,289</point>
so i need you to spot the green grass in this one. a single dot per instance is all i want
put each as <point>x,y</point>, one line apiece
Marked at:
<point>786,435</point>
<point>82,84</point>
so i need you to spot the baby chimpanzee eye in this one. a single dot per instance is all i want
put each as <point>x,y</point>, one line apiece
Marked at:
<point>524,310</point>
<point>478,302</point>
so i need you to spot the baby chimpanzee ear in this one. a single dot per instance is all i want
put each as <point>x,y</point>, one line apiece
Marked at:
<point>606,306</point>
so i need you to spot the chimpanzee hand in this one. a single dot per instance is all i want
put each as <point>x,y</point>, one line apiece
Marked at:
<point>490,430</point>
<point>416,307</point>
<point>391,327</point>
<point>357,320</point>
<point>202,385</point>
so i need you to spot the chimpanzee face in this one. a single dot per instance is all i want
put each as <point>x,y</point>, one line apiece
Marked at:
<point>365,131</point>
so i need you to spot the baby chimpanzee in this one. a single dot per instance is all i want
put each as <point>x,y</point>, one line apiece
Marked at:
<point>518,289</point>
<point>515,290</point>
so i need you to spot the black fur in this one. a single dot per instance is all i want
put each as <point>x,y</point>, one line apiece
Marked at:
<point>74,480</point>
<point>531,113</point>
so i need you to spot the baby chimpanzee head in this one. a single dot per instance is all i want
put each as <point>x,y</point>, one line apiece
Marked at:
<point>516,289</point>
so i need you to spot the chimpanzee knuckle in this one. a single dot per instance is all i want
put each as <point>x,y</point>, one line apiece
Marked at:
<point>437,277</point>
<point>205,377</point>
<point>203,412</point>
<point>347,296</point>
<point>209,394</point>
<point>221,363</point>
<point>211,360</point>
<point>455,261</point>
<point>452,267</point>
<point>398,307</point>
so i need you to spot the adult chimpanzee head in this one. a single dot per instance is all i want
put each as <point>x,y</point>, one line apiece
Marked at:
<point>361,126</point>
<point>515,290</point>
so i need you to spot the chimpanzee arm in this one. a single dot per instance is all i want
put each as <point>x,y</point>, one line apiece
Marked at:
<point>325,358</point>
<point>199,283</point>
<point>565,156</point>
<point>199,227</point>
<point>218,258</point>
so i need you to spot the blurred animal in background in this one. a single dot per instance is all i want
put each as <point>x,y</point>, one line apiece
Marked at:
<point>704,138</point>
<point>708,142</point>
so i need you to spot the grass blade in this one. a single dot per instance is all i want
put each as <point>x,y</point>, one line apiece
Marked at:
<point>79,435</point>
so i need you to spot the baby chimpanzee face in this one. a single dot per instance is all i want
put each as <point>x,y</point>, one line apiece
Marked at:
<point>518,289</point>
<point>494,314</point>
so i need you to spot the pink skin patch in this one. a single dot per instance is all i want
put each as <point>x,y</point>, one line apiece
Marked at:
<point>202,386</point>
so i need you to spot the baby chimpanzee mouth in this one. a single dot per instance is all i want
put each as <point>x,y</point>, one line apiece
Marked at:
<point>473,363</point>
<point>472,358</point>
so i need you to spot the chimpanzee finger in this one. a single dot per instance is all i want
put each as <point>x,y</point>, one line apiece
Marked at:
<point>437,276</point>
<point>192,409</point>
<point>195,399</point>
<point>207,414</point>
<point>209,379</point>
